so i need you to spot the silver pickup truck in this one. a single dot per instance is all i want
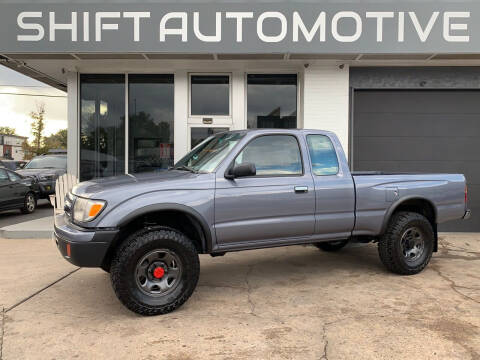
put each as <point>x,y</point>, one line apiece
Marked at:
<point>243,190</point>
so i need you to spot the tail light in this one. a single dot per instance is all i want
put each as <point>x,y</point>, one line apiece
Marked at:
<point>466,194</point>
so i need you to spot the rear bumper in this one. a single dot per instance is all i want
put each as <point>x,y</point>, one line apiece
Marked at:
<point>81,247</point>
<point>467,215</point>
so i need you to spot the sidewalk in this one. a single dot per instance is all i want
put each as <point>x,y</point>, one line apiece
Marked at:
<point>32,229</point>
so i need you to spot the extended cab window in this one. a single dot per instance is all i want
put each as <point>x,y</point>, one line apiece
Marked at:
<point>273,155</point>
<point>323,155</point>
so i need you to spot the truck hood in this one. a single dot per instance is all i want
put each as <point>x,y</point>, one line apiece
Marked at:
<point>128,186</point>
<point>41,172</point>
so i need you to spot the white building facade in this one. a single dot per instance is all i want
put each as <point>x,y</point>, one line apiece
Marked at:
<point>11,147</point>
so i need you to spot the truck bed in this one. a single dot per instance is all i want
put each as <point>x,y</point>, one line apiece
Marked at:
<point>378,193</point>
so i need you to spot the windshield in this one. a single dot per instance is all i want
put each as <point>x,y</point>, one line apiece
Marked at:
<point>206,156</point>
<point>47,162</point>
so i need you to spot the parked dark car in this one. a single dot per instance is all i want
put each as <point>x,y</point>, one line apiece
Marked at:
<point>46,169</point>
<point>18,192</point>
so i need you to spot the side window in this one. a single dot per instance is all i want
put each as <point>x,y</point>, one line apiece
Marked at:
<point>273,155</point>
<point>323,155</point>
<point>13,176</point>
<point>3,175</point>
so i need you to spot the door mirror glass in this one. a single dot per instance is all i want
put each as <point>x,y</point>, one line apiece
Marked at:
<point>242,170</point>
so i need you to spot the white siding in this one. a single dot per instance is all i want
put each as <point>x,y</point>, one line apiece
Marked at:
<point>326,100</point>
<point>180,137</point>
<point>73,136</point>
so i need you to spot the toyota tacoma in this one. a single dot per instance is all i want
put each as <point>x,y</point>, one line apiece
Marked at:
<point>243,190</point>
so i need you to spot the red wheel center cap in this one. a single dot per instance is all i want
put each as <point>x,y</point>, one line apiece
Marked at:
<point>158,272</point>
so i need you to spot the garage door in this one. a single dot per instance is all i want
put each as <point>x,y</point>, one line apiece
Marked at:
<point>421,131</point>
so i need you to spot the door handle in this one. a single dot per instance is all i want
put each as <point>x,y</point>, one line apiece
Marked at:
<point>301,189</point>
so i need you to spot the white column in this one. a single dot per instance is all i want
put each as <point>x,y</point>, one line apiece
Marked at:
<point>73,135</point>
<point>326,100</point>
<point>180,115</point>
<point>238,95</point>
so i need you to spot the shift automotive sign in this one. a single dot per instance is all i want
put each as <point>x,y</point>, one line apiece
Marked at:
<point>271,26</point>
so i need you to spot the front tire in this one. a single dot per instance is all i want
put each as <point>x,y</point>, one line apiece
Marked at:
<point>407,245</point>
<point>29,203</point>
<point>155,271</point>
<point>331,246</point>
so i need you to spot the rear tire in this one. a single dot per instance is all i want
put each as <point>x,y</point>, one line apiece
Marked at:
<point>407,245</point>
<point>331,246</point>
<point>29,203</point>
<point>155,271</point>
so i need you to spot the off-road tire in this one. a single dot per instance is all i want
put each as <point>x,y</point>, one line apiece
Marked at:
<point>122,270</point>
<point>105,268</point>
<point>331,246</point>
<point>389,245</point>
<point>27,209</point>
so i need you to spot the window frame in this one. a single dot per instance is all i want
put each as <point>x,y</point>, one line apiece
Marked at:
<point>297,93</point>
<point>232,163</point>
<point>310,156</point>
<point>189,98</point>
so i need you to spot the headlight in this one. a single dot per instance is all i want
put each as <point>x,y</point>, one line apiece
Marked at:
<point>86,210</point>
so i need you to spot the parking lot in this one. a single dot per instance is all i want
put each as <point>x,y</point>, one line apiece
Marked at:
<point>284,303</point>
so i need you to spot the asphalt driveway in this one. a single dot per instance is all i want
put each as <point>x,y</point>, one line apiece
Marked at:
<point>283,303</point>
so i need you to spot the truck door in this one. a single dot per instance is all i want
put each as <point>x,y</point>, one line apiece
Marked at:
<point>277,203</point>
<point>334,188</point>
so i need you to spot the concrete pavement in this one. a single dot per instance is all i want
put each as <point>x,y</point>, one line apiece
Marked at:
<point>38,225</point>
<point>284,303</point>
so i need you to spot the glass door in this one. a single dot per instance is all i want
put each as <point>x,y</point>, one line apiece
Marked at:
<point>210,106</point>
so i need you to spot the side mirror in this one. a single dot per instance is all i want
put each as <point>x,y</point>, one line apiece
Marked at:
<point>241,170</point>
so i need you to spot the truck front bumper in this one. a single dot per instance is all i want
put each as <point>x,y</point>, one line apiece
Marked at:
<point>82,247</point>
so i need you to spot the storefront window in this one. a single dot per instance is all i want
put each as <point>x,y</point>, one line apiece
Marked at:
<point>102,126</point>
<point>210,95</point>
<point>272,101</point>
<point>150,128</point>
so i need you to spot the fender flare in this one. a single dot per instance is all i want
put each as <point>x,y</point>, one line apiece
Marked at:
<point>204,227</point>
<point>399,202</point>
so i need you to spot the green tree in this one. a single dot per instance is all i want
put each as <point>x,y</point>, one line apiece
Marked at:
<point>7,130</point>
<point>56,141</point>
<point>38,126</point>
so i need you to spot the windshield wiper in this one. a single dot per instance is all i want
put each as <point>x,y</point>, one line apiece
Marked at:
<point>186,168</point>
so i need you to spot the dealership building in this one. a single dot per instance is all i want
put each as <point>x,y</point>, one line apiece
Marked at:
<point>397,81</point>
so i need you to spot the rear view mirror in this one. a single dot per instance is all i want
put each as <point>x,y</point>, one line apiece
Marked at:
<point>242,170</point>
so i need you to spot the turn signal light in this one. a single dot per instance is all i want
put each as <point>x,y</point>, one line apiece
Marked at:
<point>94,210</point>
<point>69,250</point>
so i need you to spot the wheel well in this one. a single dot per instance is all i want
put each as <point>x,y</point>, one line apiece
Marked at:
<point>423,207</point>
<point>178,220</point>
<point>420,206</point>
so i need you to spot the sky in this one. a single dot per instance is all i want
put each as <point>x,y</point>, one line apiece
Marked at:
<point>15,108</point>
